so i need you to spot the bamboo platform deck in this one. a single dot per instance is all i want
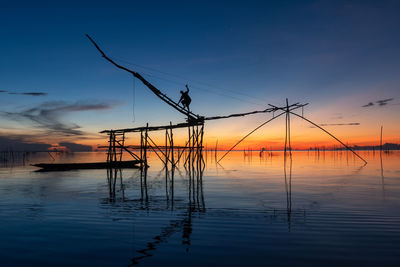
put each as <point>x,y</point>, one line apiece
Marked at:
<point>155,128</point>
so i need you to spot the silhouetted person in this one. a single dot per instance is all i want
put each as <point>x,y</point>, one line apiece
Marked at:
<point>185,98</point>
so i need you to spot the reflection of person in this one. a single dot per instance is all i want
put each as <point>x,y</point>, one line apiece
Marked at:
<point>185,98</point>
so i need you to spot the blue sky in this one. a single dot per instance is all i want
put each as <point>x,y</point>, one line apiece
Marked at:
<point>235,55</point>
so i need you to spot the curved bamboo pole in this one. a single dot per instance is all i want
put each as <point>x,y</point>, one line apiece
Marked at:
<point>156,91</point>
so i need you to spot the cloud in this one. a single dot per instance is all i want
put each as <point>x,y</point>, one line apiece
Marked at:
<point>380,103</point>
<point>337,116</point>
<point>29,93</point>
<point>338,124</point>
<point>370,104</point>
<point>48,116</point>
<point>18,143</point>
<point>75,147</point>
<point>24,93</point>
<point>384,101</point>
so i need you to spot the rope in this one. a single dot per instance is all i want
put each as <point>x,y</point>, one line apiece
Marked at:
<point>201,89</point>
<point>192,81</point>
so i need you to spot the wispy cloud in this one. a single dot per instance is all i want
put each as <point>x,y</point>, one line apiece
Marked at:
<point>384,101</point>
<point>338,124</point>
<point>75,147</point>
<point>370,104</point>
<point>24,93</point>
<point>48,116</point>
<point>380,103</point>
<point>337,116</point>
<point>29,93</point>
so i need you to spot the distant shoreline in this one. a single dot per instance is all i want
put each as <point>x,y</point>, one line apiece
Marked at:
<point>220,150</point>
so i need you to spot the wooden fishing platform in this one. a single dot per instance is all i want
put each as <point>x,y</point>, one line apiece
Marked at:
<point>195,125</point>
<point>165,152</point>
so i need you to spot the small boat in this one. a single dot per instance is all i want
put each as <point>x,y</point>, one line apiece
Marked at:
<point>91,165</point>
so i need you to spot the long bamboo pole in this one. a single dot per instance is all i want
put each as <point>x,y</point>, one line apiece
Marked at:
<point>157,92</point>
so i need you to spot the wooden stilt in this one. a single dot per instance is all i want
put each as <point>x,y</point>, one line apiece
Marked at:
<point>172,145</point>
<point>141,149</point>
<point>145,145</point>
<point>166,148</point>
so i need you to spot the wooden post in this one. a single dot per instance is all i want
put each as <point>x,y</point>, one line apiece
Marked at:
<point>114,148</point>
<point>172,145</point>
<point>145,145</point>
<point>141,149</point>
<point>286,120</point>
<point>193,144</point>
<point>109,148</point>
<point>189,140</point>
<point>166,147</point>
<point>216,149</point>
<point>166,163</point>
<point>122,146</point>
<point>197,142</point>
<point>201,143</point>
<point>288,126</point>
<point>287,129</point>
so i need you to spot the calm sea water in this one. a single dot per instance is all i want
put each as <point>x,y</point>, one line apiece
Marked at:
<point>325,209</point>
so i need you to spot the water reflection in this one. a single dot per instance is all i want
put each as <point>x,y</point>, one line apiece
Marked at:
<point>288,185</point>
<point>266,207</point>
<point>194,202</point>
<point>112,176</point>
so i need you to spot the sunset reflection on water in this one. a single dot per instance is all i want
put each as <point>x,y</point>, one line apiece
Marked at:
<point>260,206</point>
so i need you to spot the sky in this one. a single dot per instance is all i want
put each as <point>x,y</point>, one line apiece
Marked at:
<point>341,57</point>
